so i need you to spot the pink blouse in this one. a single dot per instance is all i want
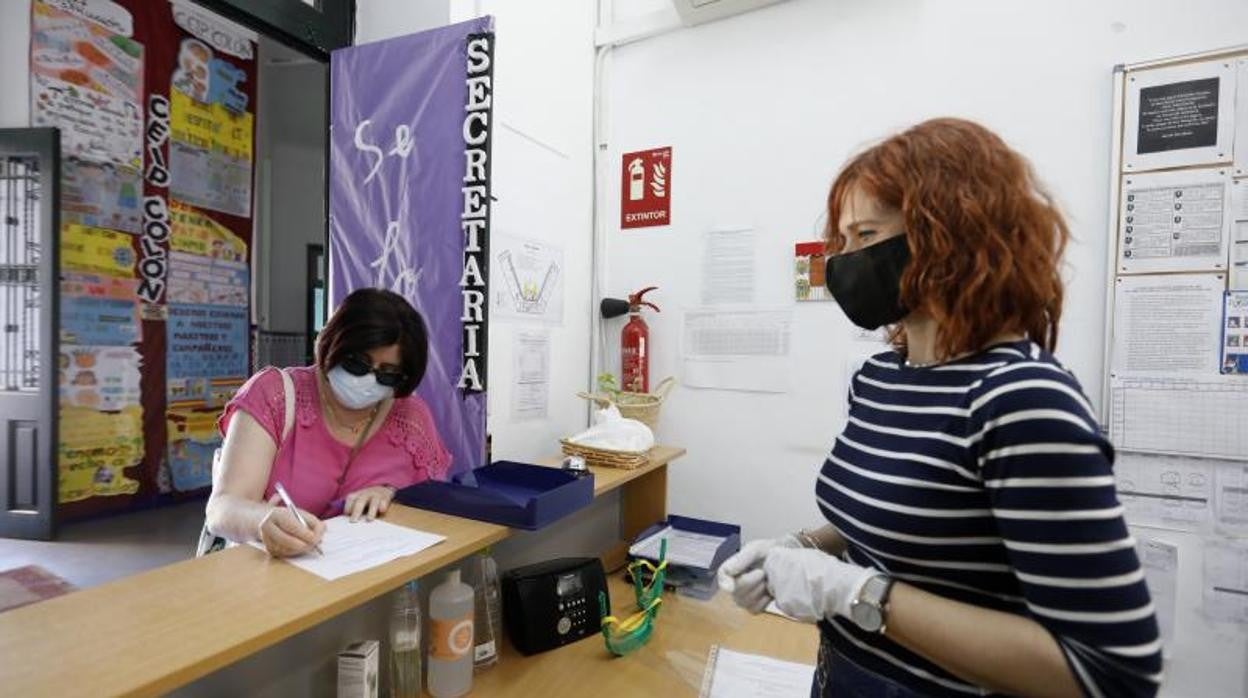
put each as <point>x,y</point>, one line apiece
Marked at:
<point>311,463</point>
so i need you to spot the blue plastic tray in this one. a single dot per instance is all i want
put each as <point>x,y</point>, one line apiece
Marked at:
<point>519,495</point>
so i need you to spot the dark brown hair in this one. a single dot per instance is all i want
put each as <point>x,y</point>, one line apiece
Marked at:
<point>985,238</point>
<point>370,318</point>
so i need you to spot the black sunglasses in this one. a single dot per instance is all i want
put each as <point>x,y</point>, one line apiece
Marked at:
<point>358,366</point>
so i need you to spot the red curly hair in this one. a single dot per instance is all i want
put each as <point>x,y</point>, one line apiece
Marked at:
<point>986,240</point>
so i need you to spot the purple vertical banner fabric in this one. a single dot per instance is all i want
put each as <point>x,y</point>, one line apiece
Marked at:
<point>398,203</point>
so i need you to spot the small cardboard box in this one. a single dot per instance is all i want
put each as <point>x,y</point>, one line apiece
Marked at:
<point>357,670</point>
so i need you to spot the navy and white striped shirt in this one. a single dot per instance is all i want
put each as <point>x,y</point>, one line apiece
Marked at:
<point>986,480</point>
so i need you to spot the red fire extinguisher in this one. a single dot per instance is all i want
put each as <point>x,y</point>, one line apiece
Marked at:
<point>635,345</point>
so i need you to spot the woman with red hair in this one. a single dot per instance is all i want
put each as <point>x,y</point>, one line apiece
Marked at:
<point>975,541</point>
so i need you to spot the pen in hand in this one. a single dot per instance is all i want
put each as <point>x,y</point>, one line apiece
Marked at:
<point>281,492</point>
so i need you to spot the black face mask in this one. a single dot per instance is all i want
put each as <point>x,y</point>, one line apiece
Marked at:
<point>867,283</point>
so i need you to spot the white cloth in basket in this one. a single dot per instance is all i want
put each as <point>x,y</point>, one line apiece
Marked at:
<point>613,432</point>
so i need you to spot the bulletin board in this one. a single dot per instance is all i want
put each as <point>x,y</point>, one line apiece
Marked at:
<point>155,104</point>
<point>1176,343</point>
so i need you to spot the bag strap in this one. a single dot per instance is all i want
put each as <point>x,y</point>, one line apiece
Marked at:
<point>288,388</point>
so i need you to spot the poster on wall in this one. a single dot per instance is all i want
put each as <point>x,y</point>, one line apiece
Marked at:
<point>809,266</point>
<point>527,280</point>
<point>156,210</point>
<point>1174,221</point>
<point>1179,116</point>
<point>1235,333</point>
<point>86,79</point>
<point>99,377</point>
<point>409,203</point>
<point>646,188</point>
<point>208,351</point>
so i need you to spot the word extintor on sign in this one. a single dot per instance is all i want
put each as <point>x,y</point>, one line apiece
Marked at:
<point>475,219</point>
<point>153,244</point>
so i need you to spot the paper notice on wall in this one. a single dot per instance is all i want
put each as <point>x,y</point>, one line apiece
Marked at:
<point>193,438</point>
<point>728,267</point>
<point>100,195</point>
<point>1230,499</point>
<point>211,131</point>
<point>1206,419</point>
<point>1160,561</point>
<point>220,33</point>
<point>208,348</point>
<point>1167,325</point>
<point>1239,226</point>
<point>526,280</point>
<point>737,350</point>
<point>102,378</point>
<point>96,451</point>
<point>1241,118</point>
<point>1179,116</point>
<point>107,14</point>
<point>86,78</point>
<point>1226,581</point>
<point>97,250</point>
<point>93,126</point>
<point>1174,221</point>
<point>94,320</point>
<point>1171,492</point>
<point>530,393</point>
<point>1235,334</point>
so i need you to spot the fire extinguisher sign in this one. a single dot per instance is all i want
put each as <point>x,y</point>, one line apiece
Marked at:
<point>646,188</point>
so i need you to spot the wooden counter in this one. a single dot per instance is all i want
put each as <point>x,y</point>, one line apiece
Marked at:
<point>153,632</point>
<point>670,665</point>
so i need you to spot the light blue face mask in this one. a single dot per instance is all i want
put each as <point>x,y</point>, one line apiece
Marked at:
<point>357,392</point>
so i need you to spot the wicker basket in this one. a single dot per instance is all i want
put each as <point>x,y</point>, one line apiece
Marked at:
<point>604,458</point>
<point>643,407</point>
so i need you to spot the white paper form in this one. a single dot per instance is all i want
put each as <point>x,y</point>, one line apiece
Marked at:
<point>1167,326</point>
<point>1226,581</point>
<point>1171,492</point>
<point>1160,561</point>
<point>1197,418</point>
<point>1241,119</point>
<point>530,394</point>
<point>732,674</point>
<point>737,349</point>
<point>1174,221</point>
<point>355,547</point>
<point>728,267</point>
<point>1230,499</point>
<point>685,548</point>
<point>1239,226</point>
<point>1178,116</point>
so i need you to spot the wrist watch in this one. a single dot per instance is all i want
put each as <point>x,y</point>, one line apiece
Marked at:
<point>870,610</point>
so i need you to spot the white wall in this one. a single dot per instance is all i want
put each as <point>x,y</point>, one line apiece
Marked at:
<point>382,19</point>
<point>14,63</point>
<point>761,111</point>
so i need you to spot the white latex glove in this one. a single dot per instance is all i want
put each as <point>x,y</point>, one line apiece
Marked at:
<point>742,574</point>
<point>811,585</point>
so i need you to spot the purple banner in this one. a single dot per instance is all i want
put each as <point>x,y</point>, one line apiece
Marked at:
<point>402,215</point>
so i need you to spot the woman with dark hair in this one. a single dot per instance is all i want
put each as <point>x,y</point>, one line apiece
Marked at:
<point>357,432</point>
<point>975,541</point>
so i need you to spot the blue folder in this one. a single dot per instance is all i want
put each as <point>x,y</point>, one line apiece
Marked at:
<point>519,495</point>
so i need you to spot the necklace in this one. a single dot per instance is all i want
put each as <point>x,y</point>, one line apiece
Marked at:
<point>359,424</point>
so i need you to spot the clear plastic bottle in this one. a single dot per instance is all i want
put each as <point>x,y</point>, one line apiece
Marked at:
<point>405,652</point>
<point>488,617</point>
<point>450,647</point>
